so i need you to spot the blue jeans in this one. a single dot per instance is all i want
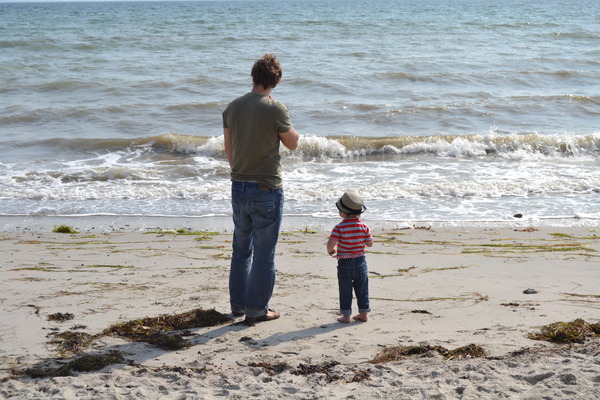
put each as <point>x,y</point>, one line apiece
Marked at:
<point>257,212</point>
<point>352,274</point>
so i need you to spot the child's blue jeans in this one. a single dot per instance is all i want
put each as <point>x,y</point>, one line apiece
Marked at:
<point>353,275</point>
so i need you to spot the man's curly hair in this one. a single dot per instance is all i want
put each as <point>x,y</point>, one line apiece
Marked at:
<point>266,71</point>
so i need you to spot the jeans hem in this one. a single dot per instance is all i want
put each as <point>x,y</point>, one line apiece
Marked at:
<point>256,312</point>
<point>237,309</point>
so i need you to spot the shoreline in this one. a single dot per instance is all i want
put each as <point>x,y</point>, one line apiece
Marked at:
<point>442,286</point>
<point>224,224</point>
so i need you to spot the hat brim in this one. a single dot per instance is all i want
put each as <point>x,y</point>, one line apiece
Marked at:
<point>340,206</point>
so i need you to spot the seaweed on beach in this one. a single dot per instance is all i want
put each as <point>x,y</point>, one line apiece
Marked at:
<point>71,342</point>
<point>302,369</point>
<point>185,371</point>
<point>85,363</point>
<point>395,353</point>
<point>466,352</point>
<point>360,375</point>
<point>167,341</point>
<point>270,369</point>
<point>504,248</point>
<point>154,329</point>
<point>64,229</point>
<point>422,227</point>
<point>324,368</point>
<point>204,235</point>
<point>576,331</point>
<point>96,362</point>
<point>60,317</point>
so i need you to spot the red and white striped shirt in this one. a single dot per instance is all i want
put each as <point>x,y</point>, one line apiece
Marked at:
<point>351,236</point>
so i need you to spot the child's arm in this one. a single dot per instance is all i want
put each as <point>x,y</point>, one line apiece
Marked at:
<point>369,240</point>
<point>331,246</point>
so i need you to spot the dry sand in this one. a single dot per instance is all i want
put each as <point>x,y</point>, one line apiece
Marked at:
<point>447,287</point>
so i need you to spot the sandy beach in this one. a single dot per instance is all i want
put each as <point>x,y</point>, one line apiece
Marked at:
<point>430,287</point>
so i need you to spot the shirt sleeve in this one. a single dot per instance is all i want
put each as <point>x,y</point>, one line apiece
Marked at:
<point>282,118</point>
<point>335,234</point>
<point>368,236</point>
<point>224,115</point>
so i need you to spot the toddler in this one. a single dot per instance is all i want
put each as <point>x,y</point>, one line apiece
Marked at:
<point>350,237</point>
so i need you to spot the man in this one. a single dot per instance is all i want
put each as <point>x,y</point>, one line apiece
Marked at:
<point>253,127</point>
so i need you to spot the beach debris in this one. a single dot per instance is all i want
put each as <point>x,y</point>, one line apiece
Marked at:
<point>405,270</point>
<point>95,362</point>
<point>576,331</point>
<point>71,342</point>
<point>420,312</point>
<point>85,363</point>
<point>60,317</point>
<point>36,308</point>
<point>422,227</point>
<point>530,229</point>
<point>167,341</point>
<point>325,368</point>
<point>504,248</point>
<point>530,291</point>
<point>583,296</point>
<point>395,353</point>
<point>154,330</point>
<point>64,229</point>
<point>360,376</point>
<point>204,235</point>
<point>271,369</point>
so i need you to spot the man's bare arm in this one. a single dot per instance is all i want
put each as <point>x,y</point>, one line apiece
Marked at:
<point>290,139</point>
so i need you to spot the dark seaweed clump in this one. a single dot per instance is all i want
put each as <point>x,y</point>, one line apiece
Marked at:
<point>325,369</point>
<point>156,330</point>
<point>60,317</point>
<point>84,363</point>
<point>567,332</point>
<point>395,353</point>
<point>71,342</point>
<point>270,369</point>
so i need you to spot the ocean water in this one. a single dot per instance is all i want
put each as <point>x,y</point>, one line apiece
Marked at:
<point>438,111</point>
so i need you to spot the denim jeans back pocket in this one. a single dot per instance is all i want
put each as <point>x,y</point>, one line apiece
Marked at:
<point>345,273</point>
<point>263,213</point>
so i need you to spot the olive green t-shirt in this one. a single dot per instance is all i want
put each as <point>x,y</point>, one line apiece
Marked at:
<point>255,122</point>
